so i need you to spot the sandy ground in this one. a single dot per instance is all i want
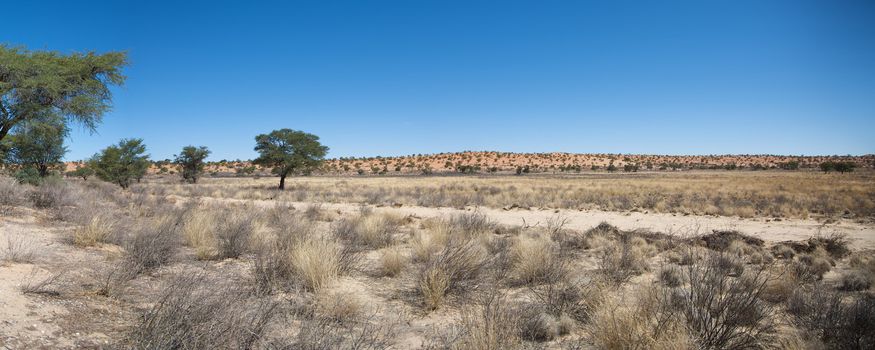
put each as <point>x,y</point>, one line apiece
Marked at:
<point>861,236</point>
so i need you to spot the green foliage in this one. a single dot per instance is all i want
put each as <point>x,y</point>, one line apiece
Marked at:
<point>289,151</point>
<point>791,165</point>
<point>842,167</point>
<point>82,171</point>
<point>35,85</point>
<point>123,163</point>
<point>191,159</point>
<point>37,144</point>
<point>28,175</point>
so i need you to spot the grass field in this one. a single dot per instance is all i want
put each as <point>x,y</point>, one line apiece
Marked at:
<point>727,193</point>
<point>232,263</point>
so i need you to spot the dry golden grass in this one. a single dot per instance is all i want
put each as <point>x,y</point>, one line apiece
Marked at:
<point>392,261</point>
<point>317,261</point>
<point>733,193</point>
<point>95,231</point>
<point>199,233</point>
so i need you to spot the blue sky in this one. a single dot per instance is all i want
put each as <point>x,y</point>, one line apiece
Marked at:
<point>409,76</point>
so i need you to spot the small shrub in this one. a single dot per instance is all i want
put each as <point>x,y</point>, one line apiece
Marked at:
<point>97,230</point>
<point>194,313</point>
<point>338,306</point>
<point>198,229</point>
<point>392,261</point>
<point>154,244</point>
<point>490,324</point>
<point>536,260</point>
<point>472,224</point>
<point>11,193</point>
<point>724,312</point>
<point>51,194</point>
<point>721,240</point>
<point>233,234</point>
<point>782,251</point>
<point>619,262</point>
<point>671,276</point>
<point>18,249</point>
<point>370,230</point>
<point>836,244</point>
<point>839,324</point>
<point>854,281</point>
<point>454,269</point>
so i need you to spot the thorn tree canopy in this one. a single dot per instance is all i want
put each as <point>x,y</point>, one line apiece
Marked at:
<point>34,84</point>
<point>289,151</point>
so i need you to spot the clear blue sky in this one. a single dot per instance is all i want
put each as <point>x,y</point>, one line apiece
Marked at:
<point>410,76</point>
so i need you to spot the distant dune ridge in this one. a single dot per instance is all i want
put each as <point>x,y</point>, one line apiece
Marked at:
<point>507,162</point>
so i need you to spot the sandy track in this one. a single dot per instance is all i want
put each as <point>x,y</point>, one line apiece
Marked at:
<point>861,236</point>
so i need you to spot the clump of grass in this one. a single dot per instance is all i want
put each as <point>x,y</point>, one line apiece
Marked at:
<point>340,307</point>
<point>392,262</point>
<point>672,276</point>
<point>431,240</point>
<point>198,229</point>
<point>153,245</point>
<point>316,261</point>
<point>854,281</point>
<point>454,269</point>
<point>620,261</point>
<point>233,233</point>
<point>371,230</point>
<point>536,259</point>
<point>96,230</point>
<point>826,315</point>
<point>643,320</point>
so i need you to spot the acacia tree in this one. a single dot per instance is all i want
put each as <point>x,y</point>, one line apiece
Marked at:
<point>121,164</point>
<point>288,152</point>
<point>75,87</point>
<point>191,159</point>
<point>37,144</point>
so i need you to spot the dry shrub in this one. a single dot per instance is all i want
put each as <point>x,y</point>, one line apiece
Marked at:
<point>392,262</point>
<point>199,233</point>
<point>854,281</point>
<point>836,244</point>
<point>620,261</point>
<point>431,240</point>
<point>337,306</point>
<point>490,325</point>
<point>370,230</point>
<point>536,259</point>
<point>98,229</point>
<point>725,312</point>
<point>837,323</point>
<point>153,245</point>
<point>455,268</point>
<point>51,194</point>
<point>11,194</point>
<point>299,255</point>
<point>18,249</point>
<point>672,276</point>
<point>645,320</point>
<point>720,240</point>
<point>811,267</point>
<point>782,251</point>
<point>195,313</point>
<point>233,233</point>
<point>472,224</point>
<point>47,285</point>
<point>780,285</point>
<point>322,333</point>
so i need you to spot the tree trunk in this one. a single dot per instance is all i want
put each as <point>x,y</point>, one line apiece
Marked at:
<point>282,182</point>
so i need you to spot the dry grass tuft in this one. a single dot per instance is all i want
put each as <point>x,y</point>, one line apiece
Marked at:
<point>455,269</point>
<point>370,230</point>
<point>536,259</point>
<point>98,229</point>
<point>199,233</point>
<point>392,262</point>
